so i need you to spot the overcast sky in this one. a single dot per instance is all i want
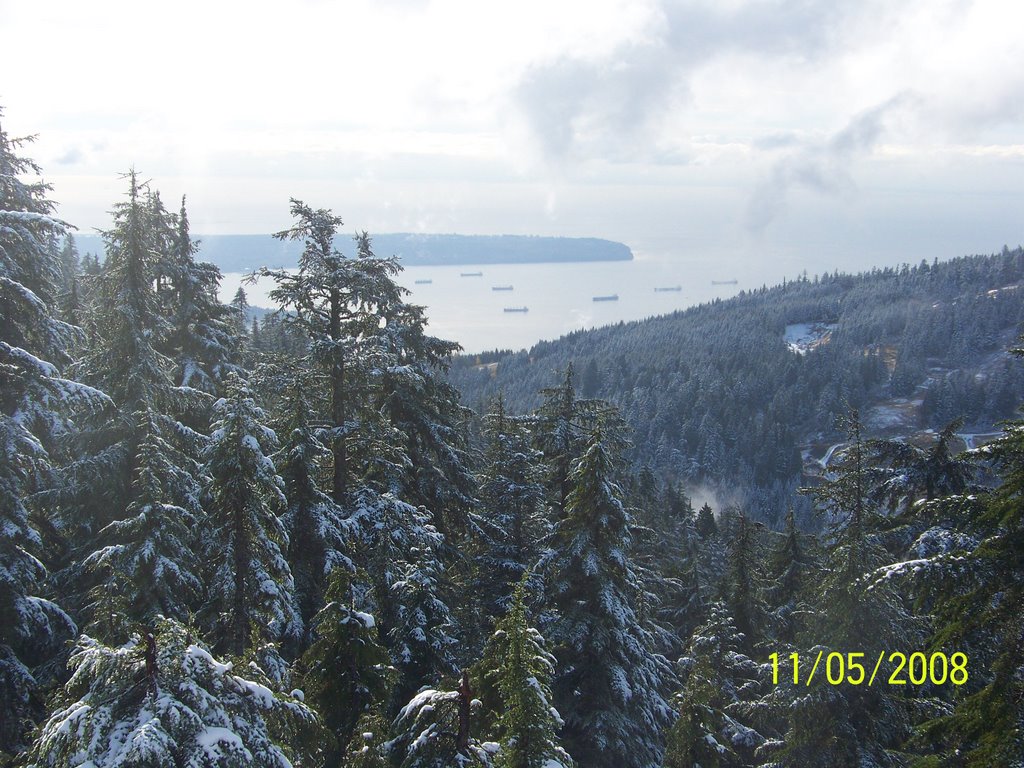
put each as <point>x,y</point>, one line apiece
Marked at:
<point>876,127</point>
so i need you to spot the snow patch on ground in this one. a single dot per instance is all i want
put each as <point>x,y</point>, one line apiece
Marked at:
<point>803,337</point>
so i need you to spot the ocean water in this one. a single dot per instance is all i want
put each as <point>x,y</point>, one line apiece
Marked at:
<point>559,297</point>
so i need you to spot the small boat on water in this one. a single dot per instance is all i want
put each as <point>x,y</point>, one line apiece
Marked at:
<point>501,287</point>
<point>424,282</point>
<point>613,297</point>
<point>517,309</point>
<point>668,288</point>
<point>471,274</point>
<point>724,282</point>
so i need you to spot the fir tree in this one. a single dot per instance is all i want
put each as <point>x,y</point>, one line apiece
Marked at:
<point>522,669</point>
<point>434,730</point>
<point>705,521</point>
<point>865,724</point>
<point>981,609</point>
<point>335,301</point>
<point>319,537</point>
<point>35,406</point>
<point>513,508</point>
<point>610,682</point>
<point>346,672</point>
<point>161,699</point>
<point>249,582</point>
<point>203,339</point>
<point>564,424</point>
<point>742,588</point>
<point>422,410</point>
<point>789,569</point>
<point>150,546</point>
<point>132,485</point>
<point>719,681</point>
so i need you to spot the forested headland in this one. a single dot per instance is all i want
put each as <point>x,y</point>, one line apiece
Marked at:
<point>242,253</point>
<point>290,542</point>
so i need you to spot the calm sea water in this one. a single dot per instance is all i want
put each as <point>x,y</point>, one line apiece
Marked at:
<point>559,297</point>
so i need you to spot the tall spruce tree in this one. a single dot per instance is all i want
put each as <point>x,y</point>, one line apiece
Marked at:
<point>133,484</point>
<point>513,515</point>
<point>850,610</point>
<point>610,683</point>
<point>713,728</point>
<point>335,302</point>
<point>346,672</point>
<point>320,538</point>
<point>249,583</point>
<point>518,665</point>
<point>980,612</point>
<point>564,424</point>
<point>202,339</point>
<point>35,403</point>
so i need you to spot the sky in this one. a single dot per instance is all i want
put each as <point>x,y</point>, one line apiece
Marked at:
<point>883,130</point>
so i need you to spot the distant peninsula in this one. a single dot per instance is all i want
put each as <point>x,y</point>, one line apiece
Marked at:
<point>241,253</point>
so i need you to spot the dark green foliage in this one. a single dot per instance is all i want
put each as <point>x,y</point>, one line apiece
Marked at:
<point>346,673</point>
<point>513,516</point>
<point>705,522</point>
<point>249,582</point>
<point>517,665</point>
<point>610,681</point>
<point>984,618</point>
<point>719,681</point>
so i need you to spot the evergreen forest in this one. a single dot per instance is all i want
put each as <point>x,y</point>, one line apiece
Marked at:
<point>322,538</point>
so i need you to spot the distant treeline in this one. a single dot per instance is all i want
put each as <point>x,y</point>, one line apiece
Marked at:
<point>715,396</point>
<point>240,253</point>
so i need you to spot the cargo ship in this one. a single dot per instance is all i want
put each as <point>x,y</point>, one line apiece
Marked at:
<point>424,282</point>
<point>613,297</point>
<point>668,288</point>
<point>501,287</point>
<point>724,282</point>
<point>471,274</point>
<point>517,309</point>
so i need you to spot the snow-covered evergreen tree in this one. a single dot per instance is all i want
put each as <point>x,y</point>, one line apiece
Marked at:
<point>610,684</point>
<point>162,700</point>
<point>35,402</point>
<point>977,571</point>
<point>128,468</point>
<point>249,582</point>
<point>564,424</point>
<point>335,302</point>
<point>150,546</point>
<point>850,609</point>
<point>346,673</point>
<point>423,412</point>
<point>712,729</point>
<point>434,730</point>
<point>424,635</point>
<point>742,583</point>
<point>320,538</point>
<point>203,338</point>
<point>520,667</point>
<point>513,516</point>
<point>790,568</point>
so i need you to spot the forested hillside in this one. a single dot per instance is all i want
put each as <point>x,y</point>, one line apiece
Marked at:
<point>289,543</point>
<point>717,399</point>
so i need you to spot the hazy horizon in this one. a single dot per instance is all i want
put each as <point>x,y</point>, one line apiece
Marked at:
<point>883,132</point>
